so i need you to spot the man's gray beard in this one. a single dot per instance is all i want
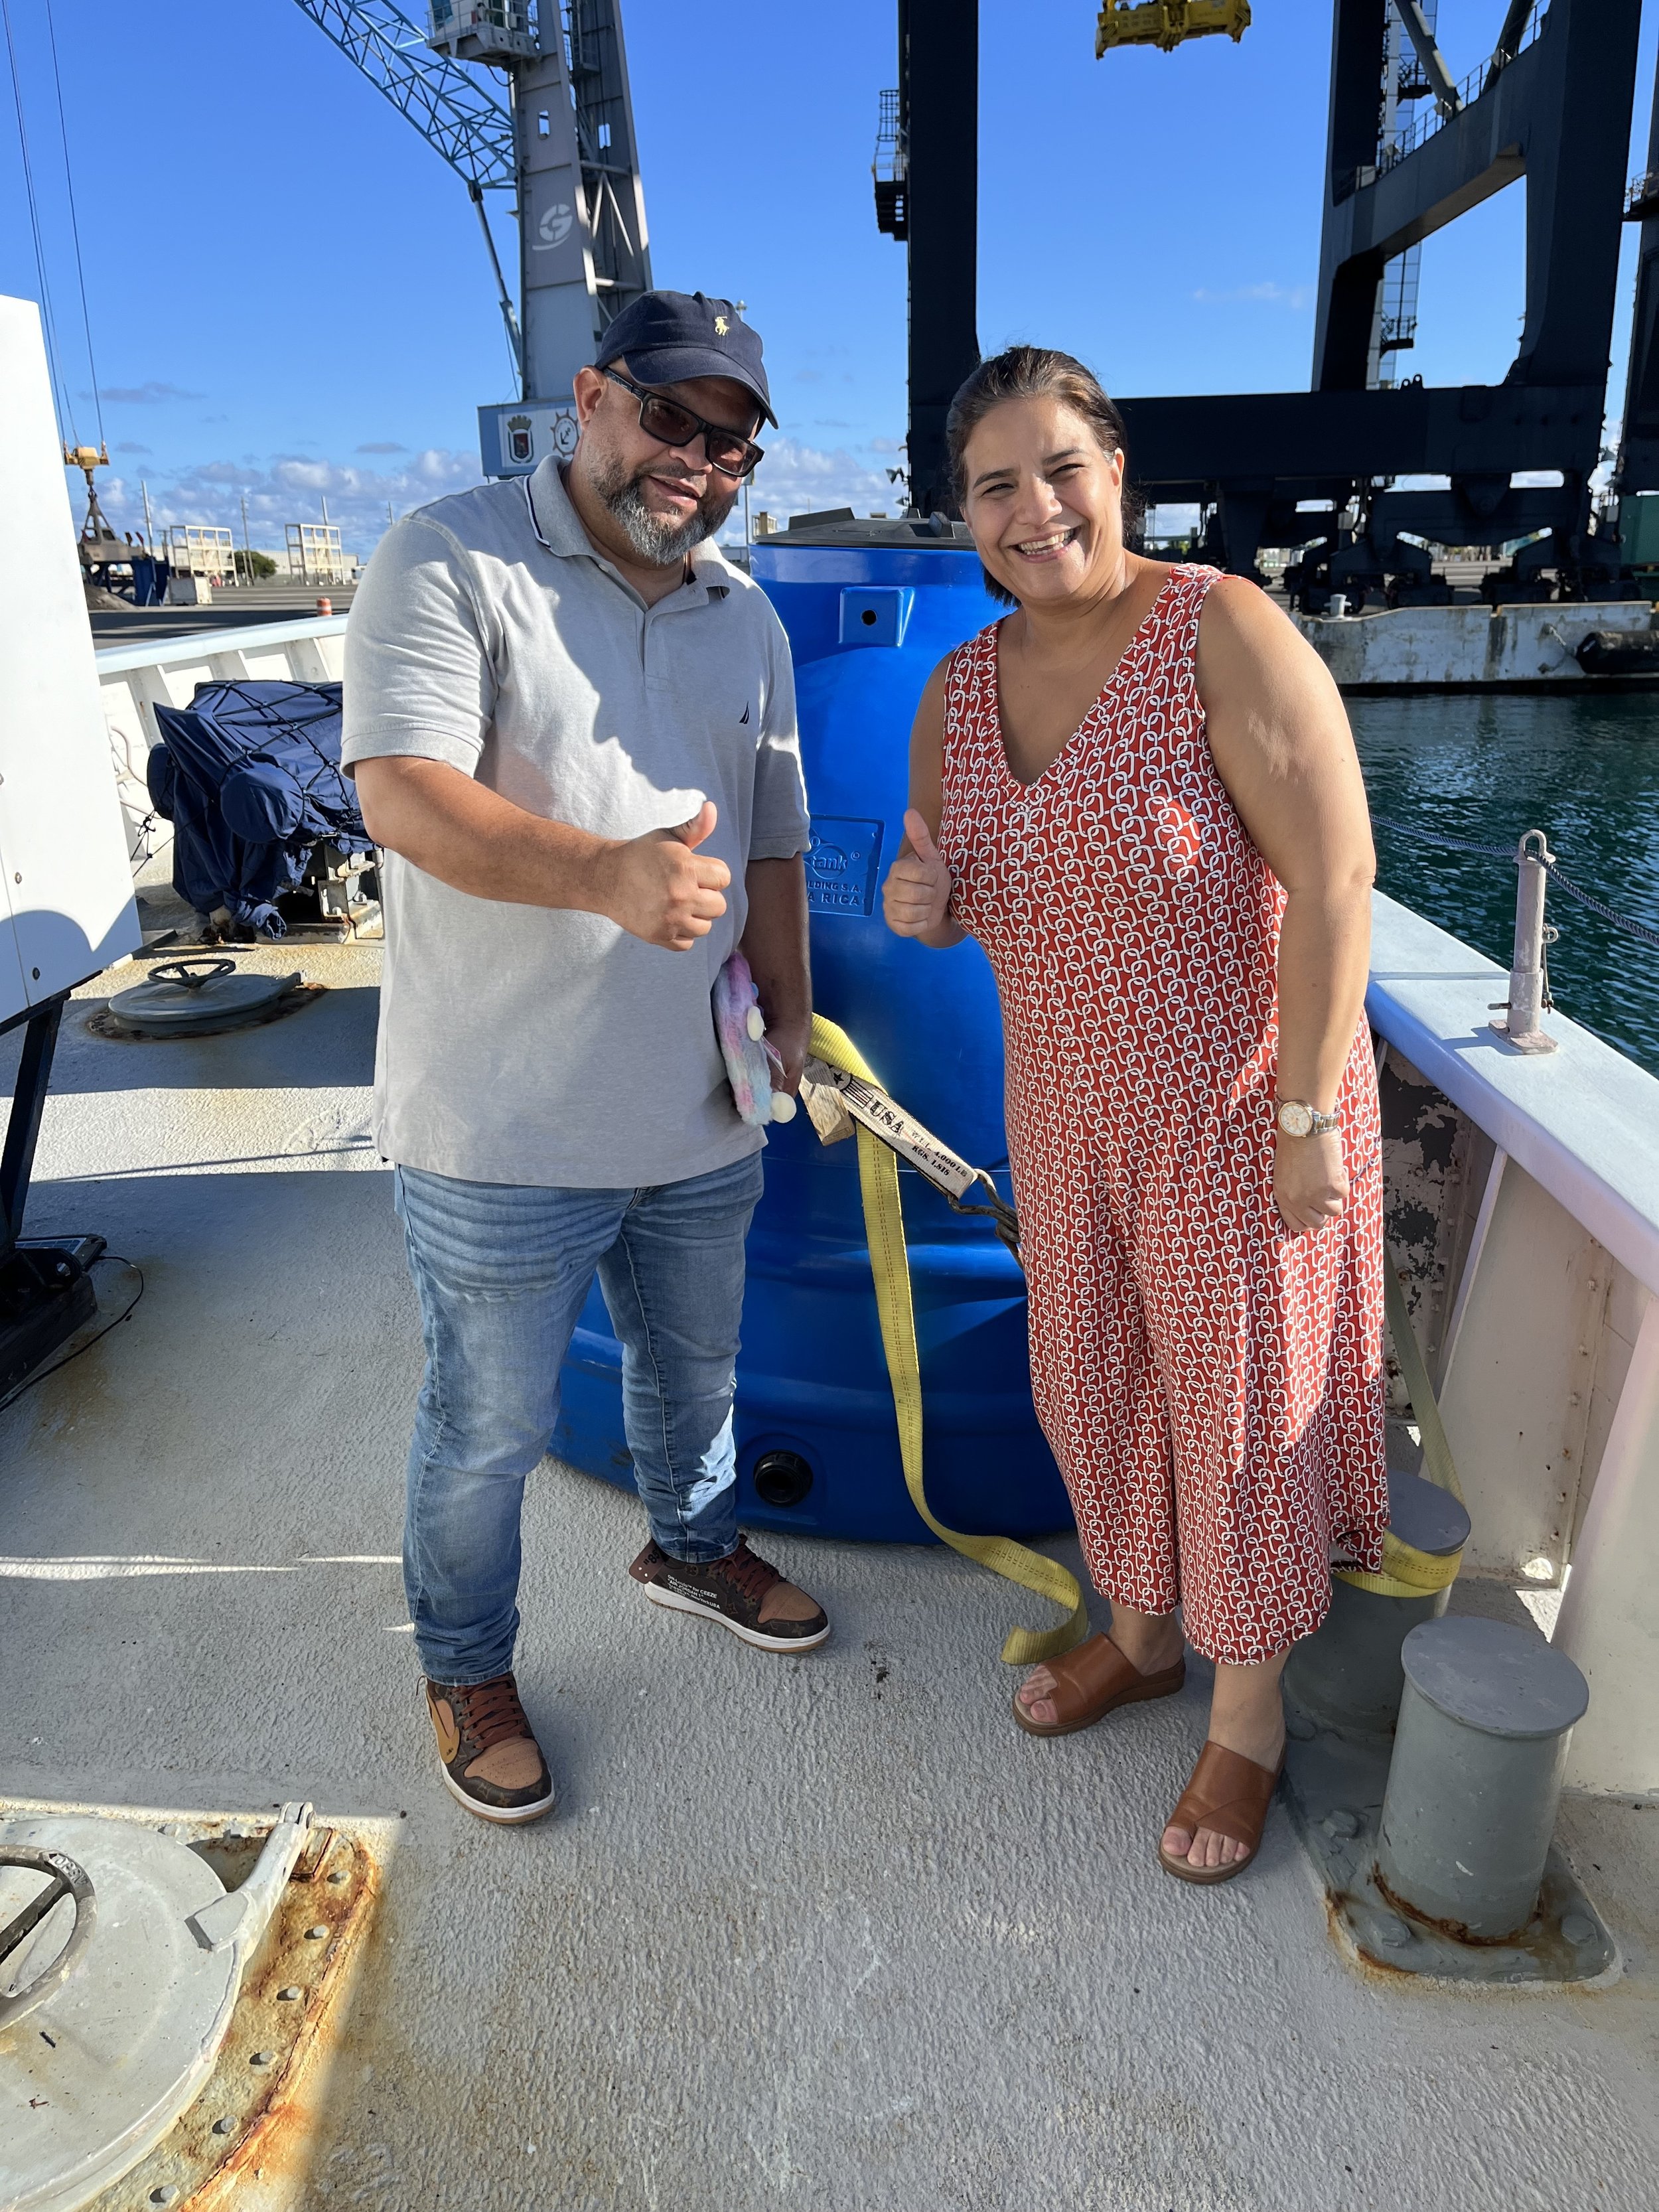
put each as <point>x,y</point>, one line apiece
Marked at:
<point>658,542</point>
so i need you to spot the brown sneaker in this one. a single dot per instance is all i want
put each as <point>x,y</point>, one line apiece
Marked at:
<point>739,1591</point>
<point>490,1759</point>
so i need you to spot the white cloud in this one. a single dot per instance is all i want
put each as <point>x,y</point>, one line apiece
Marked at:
<point>797,479</point>
<point>288,487</point>
<point>143,395</point>
<point>1294,297</point>
<point>794,478</point>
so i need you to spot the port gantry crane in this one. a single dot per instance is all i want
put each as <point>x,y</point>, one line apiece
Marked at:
<point>561,140</point>
<point>926,178</point>
<point>1319,473</point>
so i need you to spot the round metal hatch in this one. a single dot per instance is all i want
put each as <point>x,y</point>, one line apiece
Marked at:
<point>180,996</point>
<point>96,2067</point>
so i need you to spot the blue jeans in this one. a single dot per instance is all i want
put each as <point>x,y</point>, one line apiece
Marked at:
<point>502,1272</point>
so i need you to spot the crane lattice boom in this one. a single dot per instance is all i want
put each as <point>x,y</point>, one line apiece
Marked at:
<point>447,105</point>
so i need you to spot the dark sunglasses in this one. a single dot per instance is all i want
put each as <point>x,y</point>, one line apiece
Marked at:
<point>670,424</point>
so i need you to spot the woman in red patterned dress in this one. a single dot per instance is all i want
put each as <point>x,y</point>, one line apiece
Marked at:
<point>1139,792</point>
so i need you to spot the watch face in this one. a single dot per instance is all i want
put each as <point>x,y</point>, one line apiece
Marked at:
<point>1294,1118</point>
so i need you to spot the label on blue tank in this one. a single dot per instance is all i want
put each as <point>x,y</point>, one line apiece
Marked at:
<point>841,864</point>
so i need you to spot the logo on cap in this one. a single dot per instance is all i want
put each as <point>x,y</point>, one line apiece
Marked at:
<point>722,326</point>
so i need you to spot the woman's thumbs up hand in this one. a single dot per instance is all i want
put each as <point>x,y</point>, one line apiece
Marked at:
<point>916,896</point>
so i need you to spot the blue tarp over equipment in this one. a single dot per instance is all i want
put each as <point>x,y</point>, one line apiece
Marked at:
<point>249,776</point>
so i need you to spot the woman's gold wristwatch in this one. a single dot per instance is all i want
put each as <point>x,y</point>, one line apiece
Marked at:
<point>1294,1119</point>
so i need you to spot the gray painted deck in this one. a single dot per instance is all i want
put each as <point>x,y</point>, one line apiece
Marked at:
<point>825,1934</point>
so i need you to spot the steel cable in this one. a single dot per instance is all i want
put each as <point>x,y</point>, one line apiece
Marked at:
<point>74,223</point>
<point>1434,837</point>
<point>1637,929</point>
<point>1563,884</point>
<point>48,323</point>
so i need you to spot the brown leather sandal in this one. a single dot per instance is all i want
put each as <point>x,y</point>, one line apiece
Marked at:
<point>1094,1678</point>
<point>1228,1795</point>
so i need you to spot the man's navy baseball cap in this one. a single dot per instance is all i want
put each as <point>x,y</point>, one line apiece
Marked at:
<point>670,337</point>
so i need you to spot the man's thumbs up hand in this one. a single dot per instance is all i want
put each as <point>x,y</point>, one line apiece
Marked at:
<point>660,887</point>
<point>691,834</point>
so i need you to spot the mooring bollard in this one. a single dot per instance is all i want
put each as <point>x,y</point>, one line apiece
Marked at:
<point>1475,1779</point>
<point>1521,1015</point>
<point>1347,1675</point>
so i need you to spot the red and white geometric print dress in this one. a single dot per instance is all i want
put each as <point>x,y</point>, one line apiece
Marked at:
<point>1211,1385</point>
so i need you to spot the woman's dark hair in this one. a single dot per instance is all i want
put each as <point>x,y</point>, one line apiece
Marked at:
<point>1025,372</point>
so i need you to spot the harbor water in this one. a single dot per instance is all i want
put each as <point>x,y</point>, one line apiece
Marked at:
<point>1487,766</point>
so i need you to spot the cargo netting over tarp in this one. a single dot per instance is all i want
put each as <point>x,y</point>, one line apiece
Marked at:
<point>249,776</point>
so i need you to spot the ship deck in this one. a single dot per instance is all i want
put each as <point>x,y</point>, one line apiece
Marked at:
<point>828,1932</point>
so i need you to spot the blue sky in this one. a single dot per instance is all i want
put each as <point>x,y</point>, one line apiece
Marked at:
<point>289,299</point>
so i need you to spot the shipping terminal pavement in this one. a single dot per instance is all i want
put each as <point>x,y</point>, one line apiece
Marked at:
<point>826,1933</point>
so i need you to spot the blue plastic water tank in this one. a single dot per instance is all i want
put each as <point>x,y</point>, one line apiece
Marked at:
<point>868,623</point>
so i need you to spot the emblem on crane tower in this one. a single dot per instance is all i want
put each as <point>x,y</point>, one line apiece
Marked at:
<point>555,226</point>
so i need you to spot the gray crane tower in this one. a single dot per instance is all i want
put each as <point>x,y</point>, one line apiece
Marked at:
<point>563,142</point>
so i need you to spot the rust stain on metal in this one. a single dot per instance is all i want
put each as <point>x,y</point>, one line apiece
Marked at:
<point>1339,1927</point>
<point>254,2118</point>
<point>277,2132</point>
<point>1541,1945</point>
<point>1452,1932</point>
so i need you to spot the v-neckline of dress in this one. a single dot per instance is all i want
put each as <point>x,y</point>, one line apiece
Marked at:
<point>1131,646</point>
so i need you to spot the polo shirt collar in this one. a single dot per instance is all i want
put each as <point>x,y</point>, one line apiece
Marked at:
<point>553,519</point>
<point>558,528</point>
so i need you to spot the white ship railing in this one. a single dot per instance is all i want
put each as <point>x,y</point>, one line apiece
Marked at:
<point>1548,1369</point>
<point>135,679</point>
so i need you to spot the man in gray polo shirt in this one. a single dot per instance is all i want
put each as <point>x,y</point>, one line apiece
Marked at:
<point>572,722</point>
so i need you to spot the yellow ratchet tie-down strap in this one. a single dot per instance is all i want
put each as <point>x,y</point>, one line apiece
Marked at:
<point>1408,1573</point>
<point>889,1264</point>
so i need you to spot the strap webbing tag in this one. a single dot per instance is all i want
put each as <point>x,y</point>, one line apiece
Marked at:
<point>868,1104</point>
